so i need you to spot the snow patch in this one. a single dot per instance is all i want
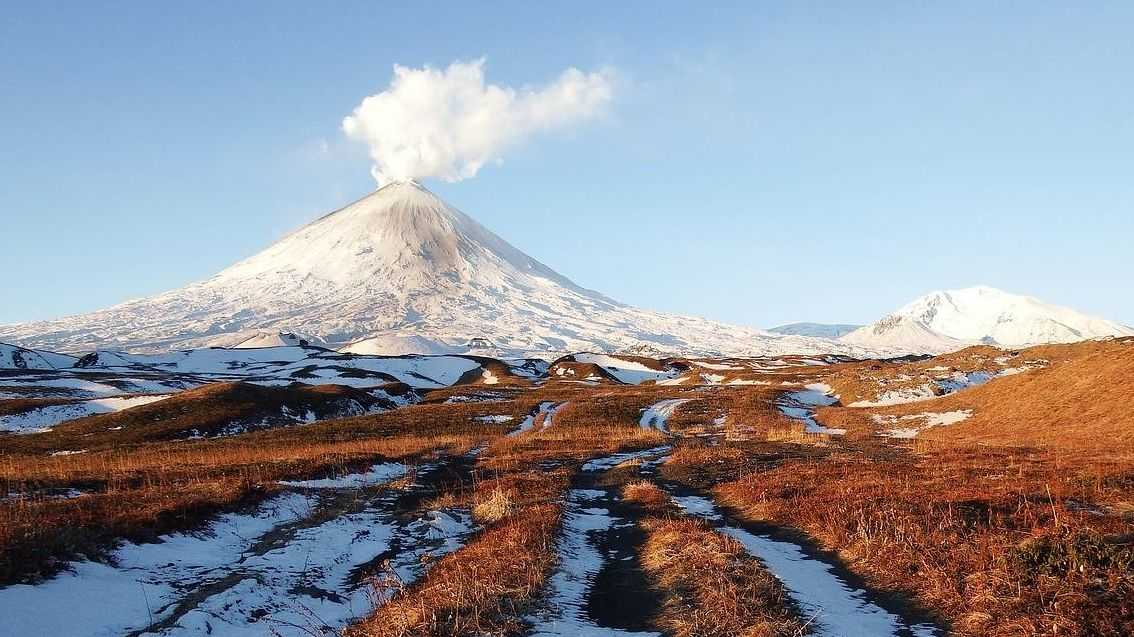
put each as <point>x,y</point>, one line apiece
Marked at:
<point>656,415</point>
<point>44,418</point>
<point>929,419</point>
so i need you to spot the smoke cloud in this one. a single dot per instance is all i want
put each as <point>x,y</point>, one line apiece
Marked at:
<point>448,123</point>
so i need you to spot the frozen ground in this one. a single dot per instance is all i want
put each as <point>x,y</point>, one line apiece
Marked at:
<point>834,607</point>
<point>565,611</point>
<point>801,405</point>
<point>920,422</point>
<point>298,565</point>
<point>529,421</point>
<point>44,418</point>
<point>656,415</point>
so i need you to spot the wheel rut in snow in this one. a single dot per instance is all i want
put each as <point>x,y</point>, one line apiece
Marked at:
<point>833,600</point>
<point>599,587</point>
<point>454,475</point>
<point>327,558</point>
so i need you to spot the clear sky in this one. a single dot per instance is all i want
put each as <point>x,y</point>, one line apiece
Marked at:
<point>767,163</point>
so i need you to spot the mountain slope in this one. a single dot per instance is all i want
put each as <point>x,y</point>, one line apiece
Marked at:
<point>15,357</point>
<point>818,330</point>
<point>400,268</point>
<point>952,319</point>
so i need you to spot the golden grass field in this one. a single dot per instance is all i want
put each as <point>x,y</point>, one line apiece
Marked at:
<point>1017,520</point>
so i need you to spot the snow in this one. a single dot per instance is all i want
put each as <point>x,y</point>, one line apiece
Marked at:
<point>44,418</point>
<point>112,600</point>
<point>283,569</point>
<point>418,371</point>
<point>398,345</point>
<point>800,405</point>
<point>961,380</point>
<point>274,339</point>
<point>953,319</point>
<point>529,421</point>
<point>834,606</point>
<point>276,365</point>
<point>15,357</point>
<point>377,474</point>
<point>928,419</point>
<point>822,330</point>
<point>69,385</point>
<point>898,397</point>
<point>497,419</point>
<point>718,367</point>
<point>208,360</point>
<point>626,371</point>
<point>565,613</point>
<point>398,265</point>
<point>606,462</point>
<point>656,415</point>
<point>549,415</point>
<point>945,385</point>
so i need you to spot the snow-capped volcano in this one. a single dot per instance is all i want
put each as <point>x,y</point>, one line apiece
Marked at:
<point>952,319</point>
<point>400,271</point>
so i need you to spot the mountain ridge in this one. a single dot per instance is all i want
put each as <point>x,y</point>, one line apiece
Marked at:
<point>947,320</point>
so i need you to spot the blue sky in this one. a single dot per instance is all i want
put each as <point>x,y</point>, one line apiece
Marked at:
<point>758,164</point>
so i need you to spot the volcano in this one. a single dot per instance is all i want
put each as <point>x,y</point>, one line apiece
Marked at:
<point>399,271</point>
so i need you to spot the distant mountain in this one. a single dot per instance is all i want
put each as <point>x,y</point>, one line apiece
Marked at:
<point>818,330</point>
<point>952,319</point>
<point>396,272</point>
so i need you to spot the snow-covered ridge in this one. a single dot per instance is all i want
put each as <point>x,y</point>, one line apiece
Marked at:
<point>954,319</point>
<point>401,271</point>
<point>15,357</point>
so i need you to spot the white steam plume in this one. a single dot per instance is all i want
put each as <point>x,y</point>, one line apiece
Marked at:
<point>448,123</point>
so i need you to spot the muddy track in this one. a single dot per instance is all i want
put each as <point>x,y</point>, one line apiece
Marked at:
<point>599,586</point>
<point>622,595</point>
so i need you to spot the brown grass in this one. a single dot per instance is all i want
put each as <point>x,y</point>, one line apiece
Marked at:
<point>206,411</point>
<point>998,542</point>
<point>140,491</point>
<point>10,406</point>
<point>712,586</point>
<point>1085,404</point>
<point>486,587</point>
